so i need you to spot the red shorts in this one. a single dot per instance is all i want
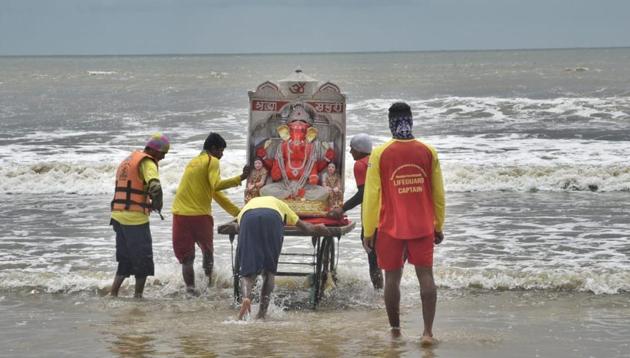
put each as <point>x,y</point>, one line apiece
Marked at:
<point>188,230</point>
<point>391,253</point>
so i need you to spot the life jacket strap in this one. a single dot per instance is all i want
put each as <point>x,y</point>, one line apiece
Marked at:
<point>128,203</point>
<point>128,190</point>
<point>124,189</point>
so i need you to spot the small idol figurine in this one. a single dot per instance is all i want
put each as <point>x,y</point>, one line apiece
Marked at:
<point>332,182</point>
<point>256,180</point>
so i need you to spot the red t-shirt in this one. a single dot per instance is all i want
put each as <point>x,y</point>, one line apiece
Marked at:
<point>407,202</point>
<point>360,170</point>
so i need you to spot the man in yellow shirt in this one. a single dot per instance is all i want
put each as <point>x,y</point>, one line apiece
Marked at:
<point>260,237</point>
<point>137,193</point>
<point>192,209</point>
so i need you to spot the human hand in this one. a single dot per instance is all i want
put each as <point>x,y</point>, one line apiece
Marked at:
<point>336,213</point>
<point>321,230</point>
<point>246,171</point>
<point>368,244</point>
<point>336,190</point>
<point>155,193</point>
<point>439,236</point>
<point>250,186</point>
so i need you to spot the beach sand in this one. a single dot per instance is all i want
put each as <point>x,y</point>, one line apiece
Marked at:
<point>468,324</point>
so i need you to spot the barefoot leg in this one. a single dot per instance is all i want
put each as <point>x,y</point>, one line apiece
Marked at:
<point>247,283</point>
<point>265,294</point>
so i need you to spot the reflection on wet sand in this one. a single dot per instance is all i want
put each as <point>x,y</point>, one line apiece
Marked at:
<point>128,343</point>
<point>471,325</point>
<point>204,328</point>
<point>133,346</point>
<point>195,345</point>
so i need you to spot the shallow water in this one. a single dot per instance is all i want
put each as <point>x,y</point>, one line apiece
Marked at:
<point>471,323</point>
<point>533,147</point>
<point>567,241</point>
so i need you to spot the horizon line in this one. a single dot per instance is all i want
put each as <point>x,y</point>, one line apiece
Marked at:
<point>315,52</point>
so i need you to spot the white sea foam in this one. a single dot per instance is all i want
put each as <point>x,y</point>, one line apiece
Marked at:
<point>505,109</point>
<point>577,69</point>
<point>51,279</point>
<point>512,163</point>
<point>218,74</point>
<point>466,178</point>
<point>101,73</point>
<point>54,177</point>
<point>581,280</point>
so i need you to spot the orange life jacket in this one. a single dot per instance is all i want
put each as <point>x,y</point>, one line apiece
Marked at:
<point>129,193</point>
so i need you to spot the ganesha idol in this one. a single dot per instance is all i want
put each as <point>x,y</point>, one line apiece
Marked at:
<point>297,161</point>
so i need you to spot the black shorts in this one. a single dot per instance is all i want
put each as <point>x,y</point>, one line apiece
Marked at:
<point>260,241</point>
<point>134,249</point>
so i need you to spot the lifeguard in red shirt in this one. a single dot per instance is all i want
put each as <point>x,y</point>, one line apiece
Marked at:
<point>404,200</point>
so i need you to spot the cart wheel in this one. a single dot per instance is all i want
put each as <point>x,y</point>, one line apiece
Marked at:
<point>333,267</point>
<point>323,269</point>
<point>318,244</point>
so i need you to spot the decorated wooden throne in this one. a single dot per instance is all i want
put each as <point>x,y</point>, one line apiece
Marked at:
<point>297,132</point>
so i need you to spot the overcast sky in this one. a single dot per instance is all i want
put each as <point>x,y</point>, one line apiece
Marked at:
<point>45,27</point>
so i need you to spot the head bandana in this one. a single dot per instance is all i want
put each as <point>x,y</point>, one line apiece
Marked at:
<point>400,126</point>
<point>159,142</point>
<point>400,120</point>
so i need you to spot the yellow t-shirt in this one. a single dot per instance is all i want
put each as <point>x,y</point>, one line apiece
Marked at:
<point>148,171</point>
<point>200,184</point>
<point>270,202</point>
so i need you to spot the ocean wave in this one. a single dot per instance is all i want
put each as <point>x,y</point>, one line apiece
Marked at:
<point>88,178</point>
<point>101,73</point>
<point>579,69</point>
<point>168,281</point>
<point>54,177</point>
<point>218,74</point>
<point>508,109</point>
<point>471,178</point>
<point>580,280</point>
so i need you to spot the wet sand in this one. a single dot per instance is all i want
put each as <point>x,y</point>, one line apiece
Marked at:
<point>469,323</point>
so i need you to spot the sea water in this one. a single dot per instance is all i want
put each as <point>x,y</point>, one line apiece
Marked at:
<point>534,149</point>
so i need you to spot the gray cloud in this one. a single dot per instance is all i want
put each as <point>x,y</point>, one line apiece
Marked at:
<point>246,26</point>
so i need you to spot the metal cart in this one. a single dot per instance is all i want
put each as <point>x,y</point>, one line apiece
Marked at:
<point>322,260</point>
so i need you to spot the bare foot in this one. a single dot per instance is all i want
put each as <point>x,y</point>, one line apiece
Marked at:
<point>246,308</point>
<point>426,341</point>
<point>377,278</point>
<point>191,291</point>
<point>395,332</point>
